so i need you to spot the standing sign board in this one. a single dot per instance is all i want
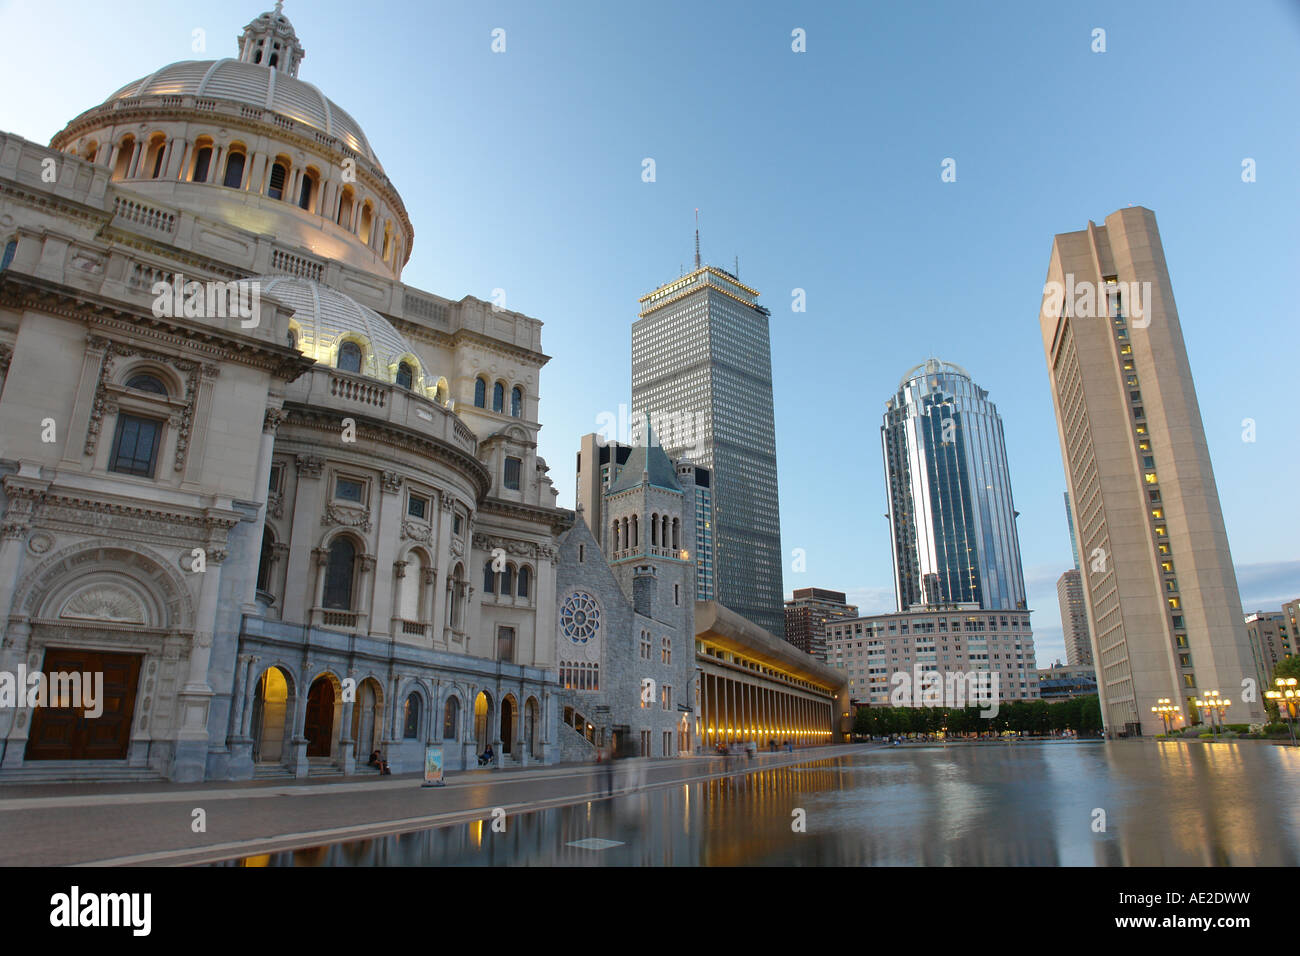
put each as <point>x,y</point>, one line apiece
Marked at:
<point>433,766</point>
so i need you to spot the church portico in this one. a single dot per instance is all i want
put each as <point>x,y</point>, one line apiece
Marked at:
<point>381,696</point>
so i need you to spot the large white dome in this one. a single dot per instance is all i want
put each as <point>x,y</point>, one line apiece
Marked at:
<point>255,85</point>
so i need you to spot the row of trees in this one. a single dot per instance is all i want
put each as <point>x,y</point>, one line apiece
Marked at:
<point>1081,714</point>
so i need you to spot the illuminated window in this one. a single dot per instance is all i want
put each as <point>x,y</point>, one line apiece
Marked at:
<point>1175,603</point>
<point>1157,512</point>
<point>1150,478</point>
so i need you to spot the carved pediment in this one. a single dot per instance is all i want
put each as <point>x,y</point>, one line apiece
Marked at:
<point>104,602</point>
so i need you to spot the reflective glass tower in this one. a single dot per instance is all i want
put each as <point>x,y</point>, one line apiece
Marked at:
<point>702,370</point>
<point>951,517</point>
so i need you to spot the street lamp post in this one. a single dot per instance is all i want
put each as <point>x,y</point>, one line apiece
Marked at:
<point>1212,703</point>
<point>1166,709</point>
<point>1286,693</point>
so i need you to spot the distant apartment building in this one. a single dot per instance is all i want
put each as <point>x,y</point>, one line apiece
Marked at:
<point>600,463</point>
<point>1074,619</point>
<point>1065,682</point>
<point>1159,586</point>
<point>948,640</point>
<point>1271,641</point>
<point>1291,611</point>
<point>807,613</point>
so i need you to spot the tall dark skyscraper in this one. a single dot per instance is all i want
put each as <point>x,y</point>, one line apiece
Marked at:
<point>950,511</point>
<point>702,370</point>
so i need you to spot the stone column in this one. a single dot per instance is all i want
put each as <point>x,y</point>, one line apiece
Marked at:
<point>297,756</point>
<point>189,759</point>
<point>241,709</point>
<point>271,420</point>
<point>133,167</point>
<point>347,746</point>
<point>214,167</point>
<point>429,592</point>
<point>308,504</point>
<point>442,558</point>
<point>366,582</point>
<point>386,548</point>
<point>177,150</point>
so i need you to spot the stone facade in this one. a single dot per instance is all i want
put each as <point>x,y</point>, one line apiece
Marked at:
<point>633,616</point>
<point>291,536</point>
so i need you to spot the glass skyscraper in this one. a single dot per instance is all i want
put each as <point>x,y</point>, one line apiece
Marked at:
<point>702,370</point>
<point>952,521</point>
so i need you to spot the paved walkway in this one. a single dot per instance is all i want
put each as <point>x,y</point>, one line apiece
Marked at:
<point>152,824</point>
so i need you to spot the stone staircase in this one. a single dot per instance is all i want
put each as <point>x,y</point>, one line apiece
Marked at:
<point>79,771</point>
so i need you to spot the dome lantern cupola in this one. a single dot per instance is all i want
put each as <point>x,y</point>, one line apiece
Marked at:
<point>270,41</point>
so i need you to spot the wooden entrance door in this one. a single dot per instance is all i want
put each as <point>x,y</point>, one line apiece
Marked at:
<point>63,733</point>
<point>319,725</point>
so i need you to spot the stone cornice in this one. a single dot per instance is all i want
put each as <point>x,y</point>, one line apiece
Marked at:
<point>501,348</point>
<point>328,422</point>
<point>14,190</point>
<point>105,316</point>
<point>559,519</point>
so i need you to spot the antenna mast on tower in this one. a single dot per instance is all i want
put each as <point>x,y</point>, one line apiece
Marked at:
<point>697,237</point>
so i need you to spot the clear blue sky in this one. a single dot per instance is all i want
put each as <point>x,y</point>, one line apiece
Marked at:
<point>820,170</point>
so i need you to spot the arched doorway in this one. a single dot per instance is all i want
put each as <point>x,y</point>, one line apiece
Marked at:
<point>318,727</point>
<point>482,720</point>
<point>270,716</point>
<point>367,718</point>
<point>507,725</point>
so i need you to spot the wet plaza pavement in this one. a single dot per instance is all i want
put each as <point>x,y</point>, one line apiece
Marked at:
<point>1027,803</point>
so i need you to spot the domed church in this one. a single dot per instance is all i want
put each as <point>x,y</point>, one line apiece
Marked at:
<point>289,507</point>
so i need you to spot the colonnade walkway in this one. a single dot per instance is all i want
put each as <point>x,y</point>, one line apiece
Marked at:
<point>123,824</point>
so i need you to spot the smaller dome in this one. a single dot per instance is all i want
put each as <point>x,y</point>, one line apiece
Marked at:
<point>325,317</point>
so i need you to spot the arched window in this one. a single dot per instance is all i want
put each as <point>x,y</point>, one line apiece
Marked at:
<point>202,164</point>
<point>338,574</point>
<point>147,383</point>
<point>264,565</point>
<point>159,148</point>
<point>517,402</point>
<point>404,375</point>
<point>411,723</point>
<point>304,195</point>
<point>451,719</point>
<point>525,576</point>
<point>363,228</point>
<point>676,534</point>
<point>275,189</point>
<point>498,397</point>
<point>350,357</point>
<point>636,531</point>
<point>234,171</point>
<point>480,393</point>
<point>489,578</point>
<point>614,529</point>
<point>654,530</point>
<point>345,208</point>
<point>508,580</point>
